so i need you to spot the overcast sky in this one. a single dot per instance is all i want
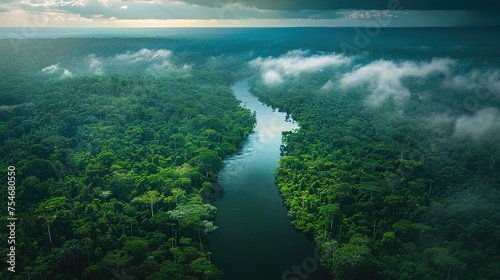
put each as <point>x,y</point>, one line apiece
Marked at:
<point>206,13</point>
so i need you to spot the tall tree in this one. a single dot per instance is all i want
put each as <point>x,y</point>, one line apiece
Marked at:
<point>150,197</point>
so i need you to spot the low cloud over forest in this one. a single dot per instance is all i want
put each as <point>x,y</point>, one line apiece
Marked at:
<point>294,63</point>
<point>392,83</point>
<point>383,78</point>
<point>151,61</point>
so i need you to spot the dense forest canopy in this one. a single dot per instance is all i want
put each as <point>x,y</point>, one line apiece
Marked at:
<point>116,143</point>
<point>394,169</point>
<point>116,146</point>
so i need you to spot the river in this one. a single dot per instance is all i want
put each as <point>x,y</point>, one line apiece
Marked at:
<point>255,239</point>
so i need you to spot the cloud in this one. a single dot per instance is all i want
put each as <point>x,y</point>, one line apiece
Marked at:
<point>50,69</point>
<point>328,85</point>
<point>53,3</point>
<point>160,10</point>
<point>272,77</point>
<point>246,12</point>
<point>105,3</point>
<point>66,73</point>
<point>56,70</point>
<point>368,14</point>
<point>295,62</point>
<point>144,55</point>
<point>384,77</point>
<point>482,83</point>
<point>441,119</point>
<point>348,4</point>
<point>155,62</point>
<point>483,124</point>
<point>439,123</point>
<point>95,65</point>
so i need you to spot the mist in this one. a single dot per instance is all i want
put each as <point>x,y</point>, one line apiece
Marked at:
<point>56,70</point>
<point>295,62</point>
<point>401,84</point>
<point>483,83</point>
<point>154,62</point>
<point>482,124</point>
<point>383,79</point>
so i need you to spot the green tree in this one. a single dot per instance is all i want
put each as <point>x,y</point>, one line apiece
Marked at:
<point>149,197</point>
<point>51,209</point>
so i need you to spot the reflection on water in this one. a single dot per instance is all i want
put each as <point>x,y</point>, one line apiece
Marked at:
<point>270,123</point>
<point>255,239</point>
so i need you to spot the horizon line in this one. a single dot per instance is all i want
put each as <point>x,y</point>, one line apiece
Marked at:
<point>243,27</point>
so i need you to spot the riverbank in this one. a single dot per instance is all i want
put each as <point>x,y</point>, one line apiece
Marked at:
<point>255,239</point>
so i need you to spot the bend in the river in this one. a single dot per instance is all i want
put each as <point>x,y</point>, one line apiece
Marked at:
<point>255,239</point>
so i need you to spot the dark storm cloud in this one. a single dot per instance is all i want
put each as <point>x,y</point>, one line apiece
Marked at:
<point>356,4</point>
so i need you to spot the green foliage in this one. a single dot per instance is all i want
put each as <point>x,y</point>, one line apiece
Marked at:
<point>149,197</point>
<point>102,159</point>
<point>381,193</point>
<point>384,195</point>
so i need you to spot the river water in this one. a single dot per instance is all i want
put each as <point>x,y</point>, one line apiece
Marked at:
<point>255,239</point>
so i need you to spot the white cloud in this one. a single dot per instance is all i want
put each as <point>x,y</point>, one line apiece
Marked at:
<point>295,62</point>
<point>130,12</point>
<point>156,62</point>
<point>58,3</point>
<point>328,85</point>
<point>368,14</point>
<point>55,69</point>
<point>105,3</point>
<point>384,78</point>
<point>95,65</point>
<point>272,77</point>
<point>144,55</point>
<point>66,73</point>
<point>50,69</point>
<point>483,124</point>
<point>482,83</point>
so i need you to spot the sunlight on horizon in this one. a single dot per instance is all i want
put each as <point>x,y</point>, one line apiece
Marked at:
<point>32,21</point>
<point>374,18</point>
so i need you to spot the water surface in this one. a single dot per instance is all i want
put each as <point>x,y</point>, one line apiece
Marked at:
<point>255,239</point>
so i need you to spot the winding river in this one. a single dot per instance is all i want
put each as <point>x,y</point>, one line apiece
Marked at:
<point>255,239</point>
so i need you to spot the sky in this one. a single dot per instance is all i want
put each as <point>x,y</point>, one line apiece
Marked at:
<point>247,13</point>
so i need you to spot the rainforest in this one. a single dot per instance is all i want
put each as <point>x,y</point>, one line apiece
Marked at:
<point>251,153</point>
